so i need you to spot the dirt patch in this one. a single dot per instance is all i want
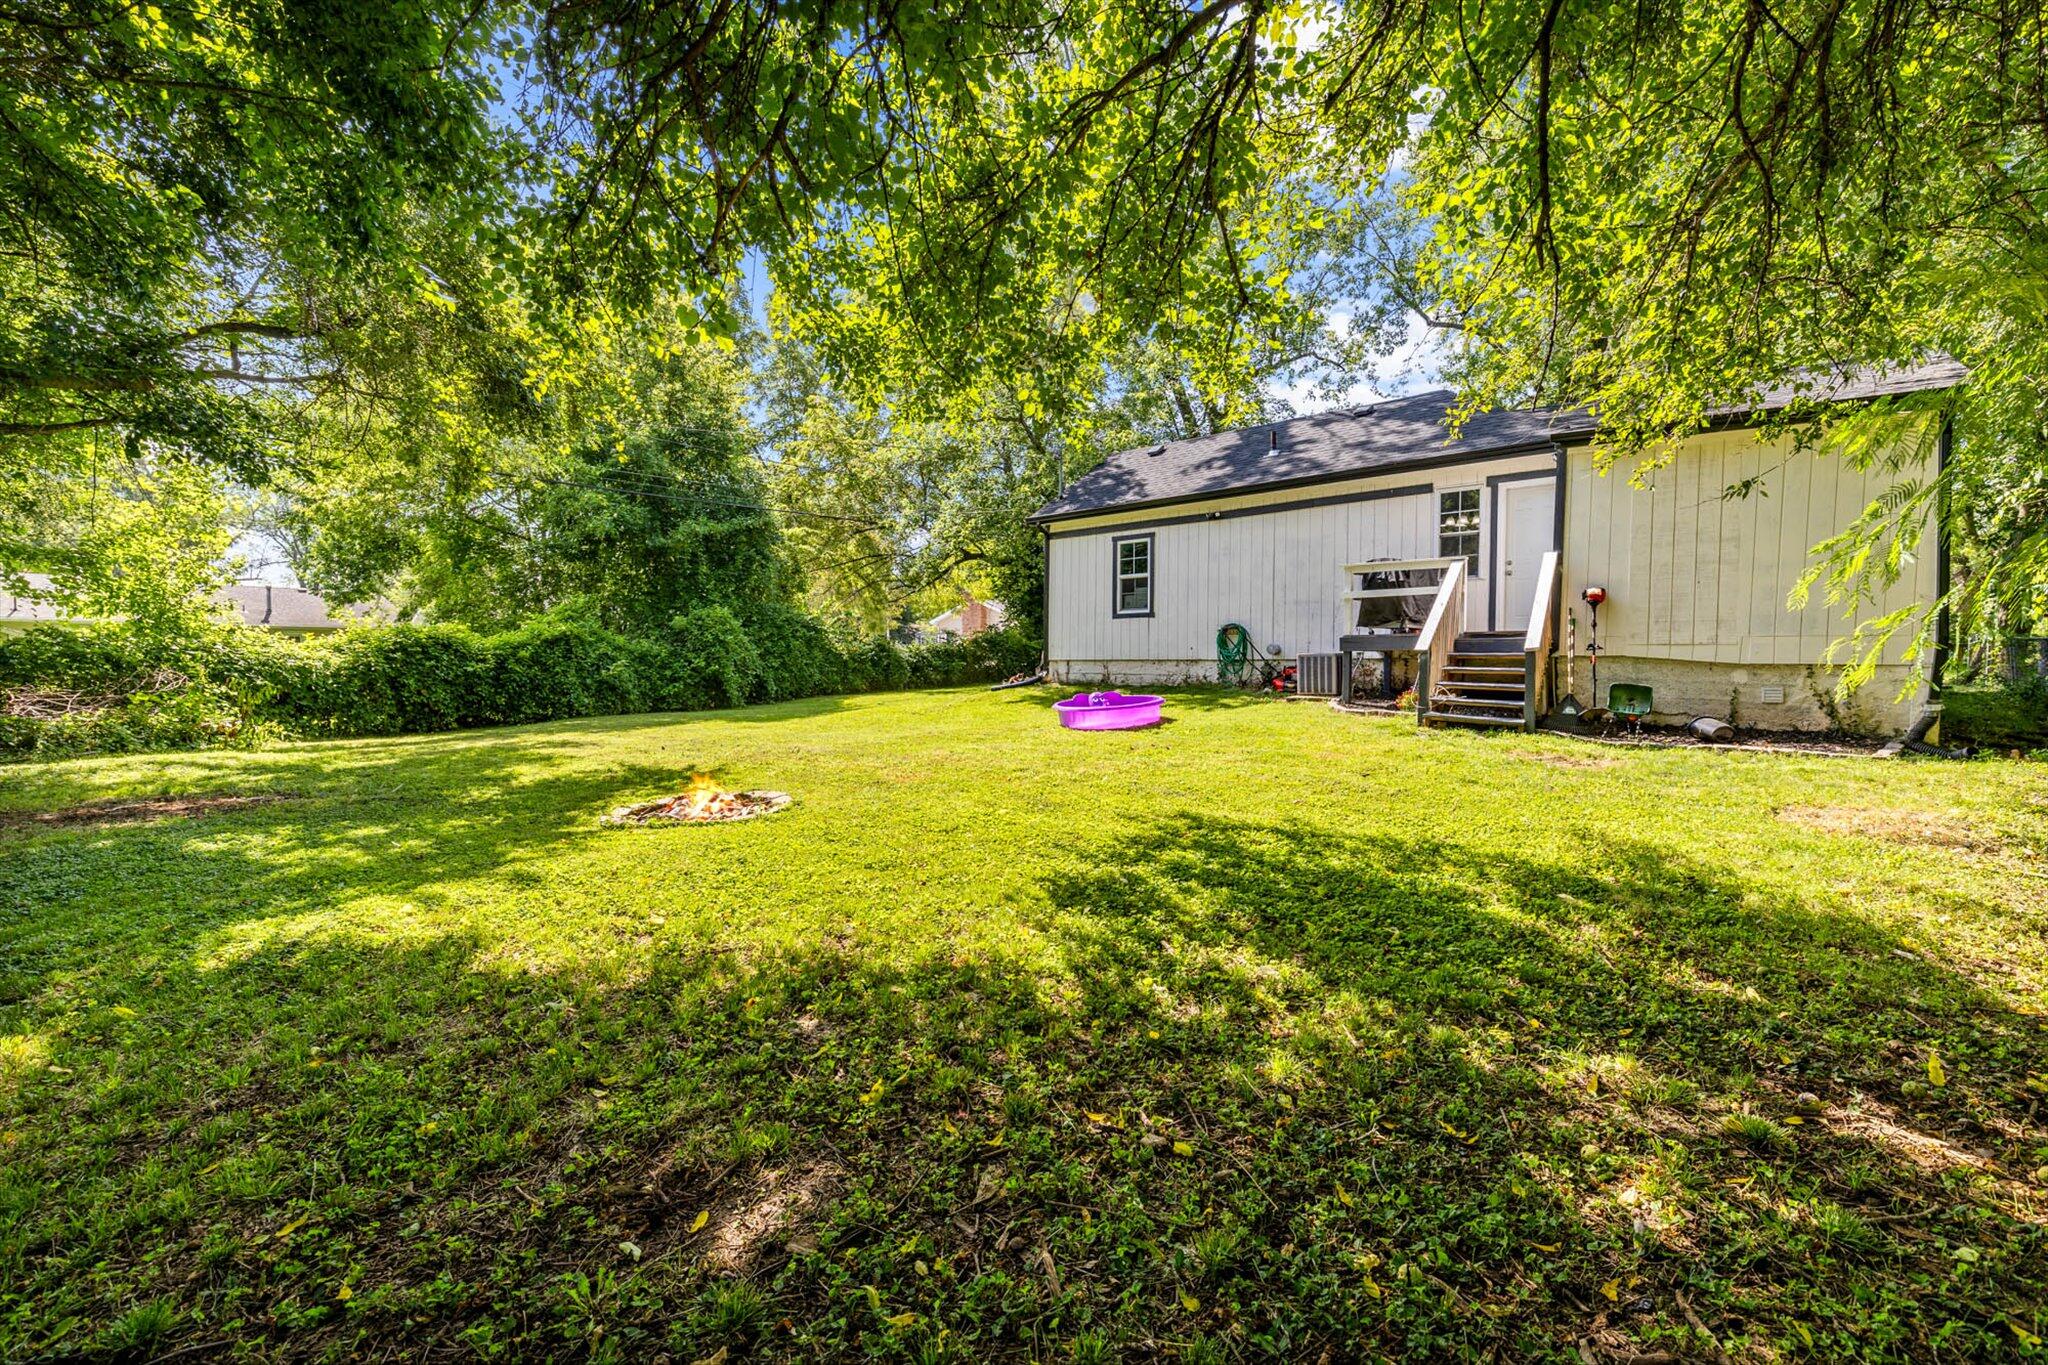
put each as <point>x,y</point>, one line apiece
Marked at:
<point>131,811</point>
<point>1572,761</point>
<point>1895,826</point>
<point>767,1214</point>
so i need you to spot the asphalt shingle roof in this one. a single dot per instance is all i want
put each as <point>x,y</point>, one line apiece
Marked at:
<point>1396,434</point>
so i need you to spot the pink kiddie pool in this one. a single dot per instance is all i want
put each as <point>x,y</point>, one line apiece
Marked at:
<point>1107,711</point>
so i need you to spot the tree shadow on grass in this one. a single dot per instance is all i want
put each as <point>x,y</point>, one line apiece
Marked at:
<point>1717,1078</point>
<point>1262,1089</point>
<point>400,821</point>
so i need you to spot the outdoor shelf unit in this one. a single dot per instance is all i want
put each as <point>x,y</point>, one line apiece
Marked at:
<point>1385,643</point>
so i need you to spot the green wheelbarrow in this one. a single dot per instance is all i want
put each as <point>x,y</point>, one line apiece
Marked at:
<point>1630,702</point>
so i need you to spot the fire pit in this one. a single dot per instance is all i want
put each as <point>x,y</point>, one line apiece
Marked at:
<point>704,803</point>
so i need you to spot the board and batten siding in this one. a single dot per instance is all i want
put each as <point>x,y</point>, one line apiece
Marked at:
<point>1693,575</point>
<point>1272,561</point>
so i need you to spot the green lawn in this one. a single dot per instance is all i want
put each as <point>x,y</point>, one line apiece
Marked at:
<point>1271,1033</point>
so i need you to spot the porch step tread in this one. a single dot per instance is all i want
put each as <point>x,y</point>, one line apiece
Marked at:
<point>1454,666</point>
<point>1482,642</point>
<point>1483,685</point>
<point>1515,704</point>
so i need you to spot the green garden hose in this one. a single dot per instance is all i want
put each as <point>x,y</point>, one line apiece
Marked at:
<point>1233,655</point>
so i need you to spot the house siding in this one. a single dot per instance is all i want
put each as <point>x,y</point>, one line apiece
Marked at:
<point>1270,561</point>
<point>1699,585</point>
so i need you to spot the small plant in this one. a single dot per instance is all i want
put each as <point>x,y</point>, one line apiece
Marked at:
<point>1213,1248</point>
<point>1756,1131</point>
<point>749,1141</point>
<point>1840,1227</point>
<point>1673,1092</point>
<point>734,1310</point>
<point>1092,1348</point>
<point>587,1300</point>
<point>141,1325</point>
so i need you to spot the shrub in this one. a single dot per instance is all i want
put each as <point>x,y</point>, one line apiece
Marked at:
<point>1004,653</point>
<point>875,665</point>
<point>184,716</point>
<point>990,656</point>
<point>712,662</point>
<point>390,680</point>
<point>234,685</point>
<point>798,657</point>
<point>82,657</point>
<point>2010,717</point>
<point>555,667</point>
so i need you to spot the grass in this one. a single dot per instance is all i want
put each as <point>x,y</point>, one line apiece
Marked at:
<point>1271,1033</point>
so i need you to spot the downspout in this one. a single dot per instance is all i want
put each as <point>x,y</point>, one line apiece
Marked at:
<point>1944,447</point>
<point>1924,735</point>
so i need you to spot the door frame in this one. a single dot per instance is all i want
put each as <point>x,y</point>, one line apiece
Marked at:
<point>1498,587</point>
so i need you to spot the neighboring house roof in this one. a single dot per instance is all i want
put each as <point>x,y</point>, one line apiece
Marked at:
<point>993,615</point>
<point>1400,433</point>
<point>281,608</point>
<point>258,604</point>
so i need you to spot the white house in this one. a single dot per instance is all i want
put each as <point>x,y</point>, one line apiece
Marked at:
<point>1317,533</point>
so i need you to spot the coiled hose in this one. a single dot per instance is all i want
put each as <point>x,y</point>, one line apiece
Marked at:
<point>1233,655</point>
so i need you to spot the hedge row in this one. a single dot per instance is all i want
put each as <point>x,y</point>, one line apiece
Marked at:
<point>239,684</point>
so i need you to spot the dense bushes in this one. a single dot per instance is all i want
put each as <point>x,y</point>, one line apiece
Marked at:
<point>2014,716</point>
<point>989,656</point>
<point>798,657</point>
<point>237,684</point>
<point>711,662</point>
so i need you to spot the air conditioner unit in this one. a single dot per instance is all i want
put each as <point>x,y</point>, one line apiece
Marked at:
<point>1319,675</point>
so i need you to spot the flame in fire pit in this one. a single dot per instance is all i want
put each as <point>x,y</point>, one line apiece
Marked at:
<point>704,791</point>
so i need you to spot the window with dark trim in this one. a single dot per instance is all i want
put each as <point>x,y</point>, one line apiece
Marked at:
<point>1130,589</point>
<point>1457,526</point>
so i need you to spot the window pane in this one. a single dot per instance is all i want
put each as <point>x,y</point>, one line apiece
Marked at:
<point>1133,585</point>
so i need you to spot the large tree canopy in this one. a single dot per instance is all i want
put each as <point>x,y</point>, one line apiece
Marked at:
<point>214,214</point>
<point>1658,209</point>
<point>218,213</point>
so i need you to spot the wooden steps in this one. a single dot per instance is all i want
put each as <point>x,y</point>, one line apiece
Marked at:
<point>1483,683</point>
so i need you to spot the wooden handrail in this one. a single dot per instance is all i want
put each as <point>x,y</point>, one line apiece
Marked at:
<point>1398,565</point>
<point>1537,641</point>
<point>1433,645</point>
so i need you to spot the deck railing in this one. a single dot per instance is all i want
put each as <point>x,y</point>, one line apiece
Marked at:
<point>1439,632</point>
<point>1537,642</point>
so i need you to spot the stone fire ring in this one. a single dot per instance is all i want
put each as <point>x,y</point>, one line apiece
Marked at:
<point>673,810</point>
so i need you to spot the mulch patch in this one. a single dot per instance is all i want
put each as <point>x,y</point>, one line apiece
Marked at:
<point>131,810</point>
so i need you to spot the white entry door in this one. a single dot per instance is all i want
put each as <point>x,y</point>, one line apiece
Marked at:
<point>1528,519</point>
